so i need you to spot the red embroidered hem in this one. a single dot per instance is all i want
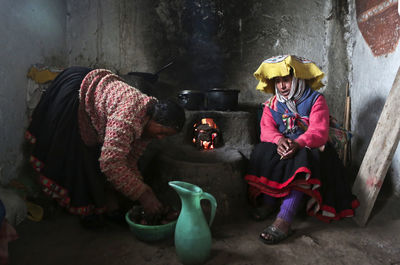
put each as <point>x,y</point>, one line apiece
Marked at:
<point>259,185</point>
<point>56,191</point>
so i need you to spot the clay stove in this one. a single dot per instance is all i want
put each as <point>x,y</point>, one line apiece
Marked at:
<point>202,158</point>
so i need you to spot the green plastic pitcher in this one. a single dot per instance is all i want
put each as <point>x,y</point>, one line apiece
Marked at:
<point>192,233</point>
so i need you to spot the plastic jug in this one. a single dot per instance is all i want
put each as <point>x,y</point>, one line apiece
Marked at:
<point>192,233</point>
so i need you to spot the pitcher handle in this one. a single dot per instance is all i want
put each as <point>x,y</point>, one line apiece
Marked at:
<point>213,203</point>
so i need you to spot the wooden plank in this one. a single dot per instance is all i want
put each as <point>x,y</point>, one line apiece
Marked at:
<point>346,125</point>
<point>379,155</point>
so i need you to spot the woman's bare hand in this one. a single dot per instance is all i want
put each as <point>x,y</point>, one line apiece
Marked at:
<point>151,205</point>
<point>287,148</point>
<point>294,147</point>
<point>283,146</point>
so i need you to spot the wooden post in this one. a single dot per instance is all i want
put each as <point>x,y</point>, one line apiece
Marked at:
<point>346,125</point>
<point>379,155</point>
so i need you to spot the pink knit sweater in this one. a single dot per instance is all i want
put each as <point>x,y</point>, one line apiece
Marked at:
<point>318,127</point>
<point>112,113</point>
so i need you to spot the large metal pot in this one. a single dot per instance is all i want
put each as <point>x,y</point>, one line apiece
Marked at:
<point>191,99</point>
<point>222,99</point>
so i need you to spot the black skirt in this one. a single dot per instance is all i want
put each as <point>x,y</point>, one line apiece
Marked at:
<point>68,169</point>
<point>319,174</point>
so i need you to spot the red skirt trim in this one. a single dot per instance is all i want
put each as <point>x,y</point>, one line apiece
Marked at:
<point>274,184</point>
<point>258,186</point>
<point>60,194</point>
<point>57,192</point>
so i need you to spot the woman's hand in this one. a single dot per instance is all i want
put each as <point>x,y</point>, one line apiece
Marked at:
<point>294,147</point>
<point>283,146</point>
<point>287,148</point>
<point>151,205</point>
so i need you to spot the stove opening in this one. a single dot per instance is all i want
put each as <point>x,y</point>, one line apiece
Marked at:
<point>206,134</point>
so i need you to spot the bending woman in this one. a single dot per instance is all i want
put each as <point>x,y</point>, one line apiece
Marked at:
<point>295,159</point>
<point>89,130</point>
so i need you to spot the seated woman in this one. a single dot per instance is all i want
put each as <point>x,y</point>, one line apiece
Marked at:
<point>295,159</point>
<point>89,130</point>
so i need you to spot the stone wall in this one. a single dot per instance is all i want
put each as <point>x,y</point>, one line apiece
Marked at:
<point>32,32</point>
<point>214,43</point>
<point>375,57</point>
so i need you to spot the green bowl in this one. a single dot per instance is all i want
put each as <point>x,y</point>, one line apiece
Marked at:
<point>150,233</point>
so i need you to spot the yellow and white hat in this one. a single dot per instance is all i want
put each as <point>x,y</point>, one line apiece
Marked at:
<point>281,65</point>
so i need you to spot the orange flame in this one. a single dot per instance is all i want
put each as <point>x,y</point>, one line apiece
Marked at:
<point>210,122</point>
<point>206,145</point>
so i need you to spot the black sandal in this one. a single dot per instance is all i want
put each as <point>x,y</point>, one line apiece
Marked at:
<point>276,235</point>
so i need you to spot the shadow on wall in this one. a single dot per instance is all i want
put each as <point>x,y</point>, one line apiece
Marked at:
<point>159,89</point>
<point>203,35</point>
<point>366,124</point>
<point>367,121</point>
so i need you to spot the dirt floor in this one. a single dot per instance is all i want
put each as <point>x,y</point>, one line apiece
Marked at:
<point>61,240</point>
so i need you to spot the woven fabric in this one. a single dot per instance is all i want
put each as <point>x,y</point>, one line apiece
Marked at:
<point>290,205</point>
<point>316,123</point>
<point>320,175</point>
<point>114,114</point>
<point>68,170</point>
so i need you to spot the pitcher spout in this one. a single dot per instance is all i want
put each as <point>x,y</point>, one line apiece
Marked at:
<point>185,188</point>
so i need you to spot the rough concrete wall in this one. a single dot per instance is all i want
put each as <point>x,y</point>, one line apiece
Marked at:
<point>122,35</point>
<point>371,80</point>
<point>215,43</point>
<point>310,29</point>
<point>337,62</point>
<point>31,32</point>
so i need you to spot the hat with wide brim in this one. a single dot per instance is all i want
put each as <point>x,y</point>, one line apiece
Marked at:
<point>281,65</point>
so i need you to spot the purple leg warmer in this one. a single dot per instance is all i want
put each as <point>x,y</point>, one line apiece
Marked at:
<point>289,206</point>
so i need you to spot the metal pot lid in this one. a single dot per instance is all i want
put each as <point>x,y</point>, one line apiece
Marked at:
<point>184,92</point>
<point>223,90</point>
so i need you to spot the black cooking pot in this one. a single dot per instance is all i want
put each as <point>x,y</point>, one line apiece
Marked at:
<point>191,99</point>
<point>222,99</point>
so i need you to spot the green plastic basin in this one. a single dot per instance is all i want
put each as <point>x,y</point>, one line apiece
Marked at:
<point>150,233</point>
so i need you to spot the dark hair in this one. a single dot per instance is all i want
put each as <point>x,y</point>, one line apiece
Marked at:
<point>167,113</point>
<point>291,72</point>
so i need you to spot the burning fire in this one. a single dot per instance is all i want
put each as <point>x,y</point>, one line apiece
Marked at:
<point>210,122</point>
<point>206,134</point>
